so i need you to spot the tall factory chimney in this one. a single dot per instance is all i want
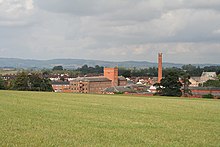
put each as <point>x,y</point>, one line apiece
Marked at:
<point>160,66</point>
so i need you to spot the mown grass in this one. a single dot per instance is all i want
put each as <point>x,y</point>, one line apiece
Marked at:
<point>54,119</point>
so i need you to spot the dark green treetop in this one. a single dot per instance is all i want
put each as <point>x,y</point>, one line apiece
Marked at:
<point>170,85</point>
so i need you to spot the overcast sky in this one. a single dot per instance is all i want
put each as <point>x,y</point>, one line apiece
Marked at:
<point>185,31</point>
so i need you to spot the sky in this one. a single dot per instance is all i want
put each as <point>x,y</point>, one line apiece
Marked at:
<point>185,31</point>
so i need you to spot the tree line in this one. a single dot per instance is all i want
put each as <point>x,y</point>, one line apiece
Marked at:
<point>80,71</point>
<point>27,82</point>
<point>153,71</point>
<point>136,72</point>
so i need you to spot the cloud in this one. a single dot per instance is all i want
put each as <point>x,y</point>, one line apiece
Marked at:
<point>15,12</point>
<point>203,4</point>
<point>79,7</point>
<point>185,31</point>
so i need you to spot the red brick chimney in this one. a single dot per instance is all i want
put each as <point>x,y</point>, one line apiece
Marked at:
<point>160,66</point>
<point>112,74</point>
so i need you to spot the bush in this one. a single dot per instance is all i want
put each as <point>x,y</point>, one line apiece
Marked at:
<point>209,96</point>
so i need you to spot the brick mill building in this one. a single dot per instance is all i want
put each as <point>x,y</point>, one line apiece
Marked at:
<point>61,86</point>
<point>97,84</point>
<point>89,84</point>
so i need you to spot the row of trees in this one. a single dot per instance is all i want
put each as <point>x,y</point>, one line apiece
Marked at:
<point>134,72</point>
<point>81,71</point>
<point>152,71</point>
<point>85,69</point>
<point>27,82</point>
<point>197,71</point>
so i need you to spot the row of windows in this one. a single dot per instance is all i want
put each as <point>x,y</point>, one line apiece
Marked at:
<point>100,85</point>
<point>79,88</point>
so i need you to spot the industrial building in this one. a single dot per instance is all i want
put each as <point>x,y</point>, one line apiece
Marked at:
<point>97,84</point>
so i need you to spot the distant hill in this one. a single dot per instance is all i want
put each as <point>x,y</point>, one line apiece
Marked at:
<point>75,63</point>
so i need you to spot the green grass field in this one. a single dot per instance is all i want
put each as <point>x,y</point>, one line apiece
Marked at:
<point>55,119</point>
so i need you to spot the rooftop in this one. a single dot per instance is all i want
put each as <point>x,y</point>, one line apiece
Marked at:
<point>60,83</point>
<point>91,79</point>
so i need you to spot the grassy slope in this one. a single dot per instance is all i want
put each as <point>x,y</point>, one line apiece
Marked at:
<point>52,119</point>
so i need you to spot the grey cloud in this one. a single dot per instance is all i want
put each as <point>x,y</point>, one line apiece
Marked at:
<point>79,7</point>
<point>191,4</point>
<point>15,13</point>
<point>111,30</point>
<point>141,21</point>
<point>203,4</point>
<point>139,10</point>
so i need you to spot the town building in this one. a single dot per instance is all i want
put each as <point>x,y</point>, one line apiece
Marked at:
<point>58,77</point>
<point>135,88</point>
<point>208,76</point>
<point>122,81</point>
<point>8,76</point>
<point>61,86</point>
<point>112,74</point>
<point>99,83</point>
<point>89,84</point>
<point>196,81</point>
<point>201,91</point>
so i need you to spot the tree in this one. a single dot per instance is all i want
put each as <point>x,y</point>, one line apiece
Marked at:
<point>2,86</point>
<point>33,82</point>
<point>152,71</point>
<point>46,85</point>
<point>9,84</point>
<point>85,69</point>
<point>99,69</point>
<point>39,83</point>
<point>127,73</point>
<point>170,85</point>
<point>212,69</point>
<point>21,82</point>
<point>185,81</point>
<point>192,70</point>
<point>58,68</point>
<point>124,72</point>
<point>212,83</point>
<point>46,73</point>
<point>218,77</point>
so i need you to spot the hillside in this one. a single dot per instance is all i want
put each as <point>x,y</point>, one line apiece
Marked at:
<point>56,119</point>
<point>74,63</point>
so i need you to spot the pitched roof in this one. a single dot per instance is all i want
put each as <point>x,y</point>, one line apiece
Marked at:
<point>60,83</point>
<point>197,79</point>
<point>91,79</point>
<point>118,89</point>
<point>120,78</point>
<point>209,74</point>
